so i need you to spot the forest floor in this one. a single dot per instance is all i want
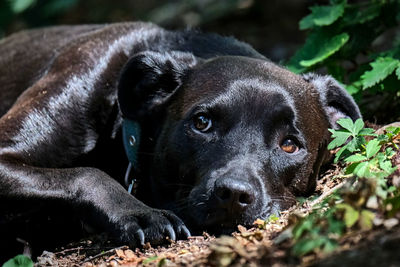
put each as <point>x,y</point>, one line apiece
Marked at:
<point>258,246</point>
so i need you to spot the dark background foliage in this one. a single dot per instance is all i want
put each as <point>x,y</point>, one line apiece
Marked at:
<point>359,30</point>
<point>270,26</point>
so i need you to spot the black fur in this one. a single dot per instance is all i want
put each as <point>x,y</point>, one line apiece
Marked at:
<point>65,91</point>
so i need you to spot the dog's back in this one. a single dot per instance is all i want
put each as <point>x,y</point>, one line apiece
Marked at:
<point>25,57</point>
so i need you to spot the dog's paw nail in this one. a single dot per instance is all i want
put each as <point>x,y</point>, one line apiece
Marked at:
<point>171,232</point>
<point>140,236</point>
<point>185,231</point>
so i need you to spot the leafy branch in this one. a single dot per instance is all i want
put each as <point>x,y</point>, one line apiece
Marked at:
<point>366,195</point>
<point>343,40</point>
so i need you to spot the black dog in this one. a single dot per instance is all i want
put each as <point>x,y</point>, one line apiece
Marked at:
<point>226,135</point>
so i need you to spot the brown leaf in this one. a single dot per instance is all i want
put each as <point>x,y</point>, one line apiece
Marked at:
<point>120,253</point>
<point>241,229</point>
<point>130,255</point>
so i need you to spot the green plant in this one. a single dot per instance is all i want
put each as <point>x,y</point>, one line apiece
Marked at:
<point>368,164</point>
<point>19,261</point>
<point>357,44</point>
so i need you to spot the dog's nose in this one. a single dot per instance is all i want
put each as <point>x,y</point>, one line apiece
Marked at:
<point>234,195</point>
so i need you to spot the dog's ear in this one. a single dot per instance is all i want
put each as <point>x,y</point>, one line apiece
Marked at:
<point>149,79</point>
<point>336,102</point>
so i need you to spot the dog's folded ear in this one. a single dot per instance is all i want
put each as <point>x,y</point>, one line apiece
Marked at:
<point>336,102</point>
<point>149,79</point>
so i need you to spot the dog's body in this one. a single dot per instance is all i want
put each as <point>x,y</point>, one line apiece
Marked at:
<point>226,135</point>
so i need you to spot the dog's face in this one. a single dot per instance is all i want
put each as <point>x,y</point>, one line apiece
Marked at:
<point>240,137</point>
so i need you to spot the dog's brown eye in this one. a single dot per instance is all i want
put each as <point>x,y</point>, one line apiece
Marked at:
<point>289,146</point>
<point>202,123</point>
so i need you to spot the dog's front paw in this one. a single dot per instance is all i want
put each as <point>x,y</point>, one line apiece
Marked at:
<point>150,225</point>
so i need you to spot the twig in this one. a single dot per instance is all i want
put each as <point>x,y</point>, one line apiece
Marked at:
<point>104,253</point>
<point>326,194</point>
<point>75,249</point>
<point>27,247</point>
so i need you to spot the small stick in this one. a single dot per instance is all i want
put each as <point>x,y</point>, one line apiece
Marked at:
<point>326,194</point>
<point>27,247</point>
<point>104,253</point>
<point>75,249</point>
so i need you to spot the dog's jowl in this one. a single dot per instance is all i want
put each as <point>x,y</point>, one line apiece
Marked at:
<point>217,134</point>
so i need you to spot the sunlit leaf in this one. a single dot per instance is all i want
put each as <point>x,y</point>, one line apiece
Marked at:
<point>366,218</point>
<point>318,46</point>
<point>372,148</point>
<point>322,16</point>
<point>367,131</point>
<point>340,137</point>
<point>381,68</point>
<point>19,6</point>
<point>346,123</point>
<point>398,73</point>
<point>361,169</point>
<point>19,261</point>
<point>358,125</point>
<point>325,50</point>
<point>351,215</point>
<point>355,158</point>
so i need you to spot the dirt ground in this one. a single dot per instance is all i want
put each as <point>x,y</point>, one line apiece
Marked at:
<point>246,247</point>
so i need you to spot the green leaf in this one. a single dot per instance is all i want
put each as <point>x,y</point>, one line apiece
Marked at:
<point>19,261</point>
<point>306,225</point>
<point>386,165</point>
<point>381,68</point>
<point>355,144</point>
<point>306,22</point>
<point>319,45</point>
<point>335,226</point>
<point>355,158</point>
<point>362,169</point>
<point>398,73</point>
<point>352,89</point>
<point>330,245</point>
<point>355,15</point>
<point>340,137</point>
<point>367,131</point>
<point>346,123</point>
<point>322,15</point>
<point>350,169</point>
<point>350,214</point>
<point>272,218</point>
<point>358,125</point>
<point>389,152</point>
<point>19,6</point>
<point>326,49</point>
<point>162,262</point>
<point>339,153</point>
<point>393,129</point>
<point>307,245</point>
<point>366,218</point>
<point>372,148</point>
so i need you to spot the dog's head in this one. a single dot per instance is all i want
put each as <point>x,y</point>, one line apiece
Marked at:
<point>236,138</point>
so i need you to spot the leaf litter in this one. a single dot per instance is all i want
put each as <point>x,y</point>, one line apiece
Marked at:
<point>268,243</point>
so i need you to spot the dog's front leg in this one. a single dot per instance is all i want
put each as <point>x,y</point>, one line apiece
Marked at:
<point>97,195</point>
